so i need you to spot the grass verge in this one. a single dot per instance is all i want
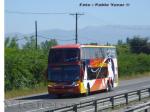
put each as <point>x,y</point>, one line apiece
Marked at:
<point>25,92</point>
<point>134,76</point>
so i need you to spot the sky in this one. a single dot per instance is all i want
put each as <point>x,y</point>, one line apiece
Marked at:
<point>137,13</point>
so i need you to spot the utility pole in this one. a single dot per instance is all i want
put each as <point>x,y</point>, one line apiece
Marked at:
<point>36,34</point>
<point>76,31</point>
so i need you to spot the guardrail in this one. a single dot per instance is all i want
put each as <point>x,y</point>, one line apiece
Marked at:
<point>142,107</point>
<point>106,103</point>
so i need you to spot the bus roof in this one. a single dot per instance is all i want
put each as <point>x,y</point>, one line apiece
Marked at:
<point>66,46</point>
<point>79,46</point>
<point>98,46</point>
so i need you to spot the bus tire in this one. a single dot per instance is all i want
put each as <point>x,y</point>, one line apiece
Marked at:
<point>109,87</point>
<point>88,90</point>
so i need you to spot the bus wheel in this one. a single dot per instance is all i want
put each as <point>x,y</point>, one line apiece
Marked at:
<point>88,90</point>
<point>109,87</point>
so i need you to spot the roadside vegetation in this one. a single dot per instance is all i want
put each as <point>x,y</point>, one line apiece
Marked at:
<point>25,66</point>
<point>133,57</point>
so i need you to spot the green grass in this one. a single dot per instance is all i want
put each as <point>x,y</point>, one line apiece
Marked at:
<point>134,76</point>
<point>24,92</point>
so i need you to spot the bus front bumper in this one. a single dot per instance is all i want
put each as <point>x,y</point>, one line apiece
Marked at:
<point>63,90</point>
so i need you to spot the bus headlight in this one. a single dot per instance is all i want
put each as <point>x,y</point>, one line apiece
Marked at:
<point>75,84</point>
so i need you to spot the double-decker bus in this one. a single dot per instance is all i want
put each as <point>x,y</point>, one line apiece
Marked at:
<point>81,69</point>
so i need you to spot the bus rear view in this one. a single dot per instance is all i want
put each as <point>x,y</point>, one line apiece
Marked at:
<point>81,69</point>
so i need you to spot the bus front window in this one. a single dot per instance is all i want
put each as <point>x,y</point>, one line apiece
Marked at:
<point>71,55</point>
<point>55,56</point>
<point>63,55</point>
<point>63,74</point>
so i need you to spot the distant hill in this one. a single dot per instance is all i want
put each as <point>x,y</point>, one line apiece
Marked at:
<point>99,34</point>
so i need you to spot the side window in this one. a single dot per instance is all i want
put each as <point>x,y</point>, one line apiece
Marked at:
<point>94,73</point>
<point>103,53</point>
<point>87,53</point>
<point>91,74</point>
<point>96,52</point>
<point>114,54</point>
<point>103,73</point>
<point>111,52</point>
<point>83,53</point>
<point>108,52</point>
<point>92,53</point>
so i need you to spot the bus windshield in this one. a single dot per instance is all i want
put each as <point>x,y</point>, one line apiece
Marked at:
<point>64,55</point>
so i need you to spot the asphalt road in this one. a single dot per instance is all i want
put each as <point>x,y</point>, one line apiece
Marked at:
<point>42,102</point>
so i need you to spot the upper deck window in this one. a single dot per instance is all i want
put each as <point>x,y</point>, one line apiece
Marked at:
<point>64,55</point>
<point>97,52</point>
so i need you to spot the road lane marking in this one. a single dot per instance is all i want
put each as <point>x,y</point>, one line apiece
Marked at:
<point>87,98</point>
<point>121,91</point>
<point>9,105</point>
<point>145,87</point>
<point>37,109</point>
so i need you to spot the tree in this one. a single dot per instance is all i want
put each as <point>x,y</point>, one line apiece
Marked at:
<point>139,45</point>
<point>7,41</point>
<point>31,43</point>
<point>127,40</point>
<point>120,42</point>
<point>11,42</point>
<point>48,44</point>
